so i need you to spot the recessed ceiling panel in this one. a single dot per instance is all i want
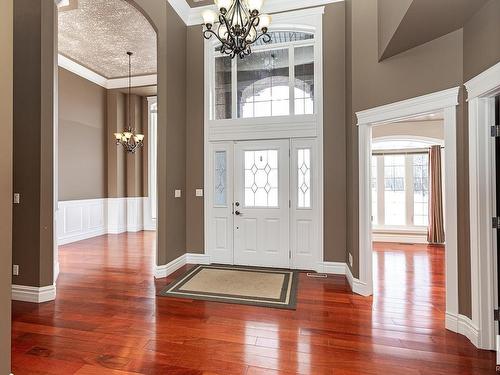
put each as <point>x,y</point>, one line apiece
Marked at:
<point>98,33</point>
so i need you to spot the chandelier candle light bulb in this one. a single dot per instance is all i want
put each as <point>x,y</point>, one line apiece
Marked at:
<point>238,26</point>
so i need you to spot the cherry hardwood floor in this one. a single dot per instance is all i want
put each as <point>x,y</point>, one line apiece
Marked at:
<point>107,320</point>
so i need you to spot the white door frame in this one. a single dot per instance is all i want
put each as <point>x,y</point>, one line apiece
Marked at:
<point>445,101</point>
<point>280,127</point>
<point>482,194</point>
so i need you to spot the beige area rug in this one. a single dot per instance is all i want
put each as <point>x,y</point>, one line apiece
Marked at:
<point>237,284</point>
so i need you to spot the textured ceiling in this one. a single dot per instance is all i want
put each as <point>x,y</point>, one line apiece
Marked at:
<point>98,33</point>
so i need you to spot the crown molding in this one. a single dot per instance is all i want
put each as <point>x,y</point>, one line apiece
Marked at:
<point>112,83</point>
<point>193,16</point>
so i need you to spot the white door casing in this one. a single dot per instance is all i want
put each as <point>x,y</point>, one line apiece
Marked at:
<point>261,196</point>
<point>481,91</point>
<point>445,101</point>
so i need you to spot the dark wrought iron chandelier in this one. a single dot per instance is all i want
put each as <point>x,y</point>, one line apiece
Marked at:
<point>238,25</point>
<point>129,139</point>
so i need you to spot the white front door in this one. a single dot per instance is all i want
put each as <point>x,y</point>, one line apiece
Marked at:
<point>261,203</point>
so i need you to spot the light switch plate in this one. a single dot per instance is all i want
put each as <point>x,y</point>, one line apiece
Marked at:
<point>199,192</point>
<point>15,270</point>
<point>178,194</point>
<point>17,198</point>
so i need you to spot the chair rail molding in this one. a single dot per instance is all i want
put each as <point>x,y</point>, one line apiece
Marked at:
<point>481,91</point>
<point>443,101</point>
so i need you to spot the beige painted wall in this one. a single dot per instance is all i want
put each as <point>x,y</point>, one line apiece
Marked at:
<point>82,138</point>
<point>35,80</point>
<point>440,64</point>
<point>194,140</point>
<point>428,68</point>
<point>429,129</point>
<point>176,137</point>
<point>482,40</point>
<point>126,174</point>
<point>6,103</point>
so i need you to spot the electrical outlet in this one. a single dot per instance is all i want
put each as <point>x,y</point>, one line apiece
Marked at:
<point>350,259</point>
<point>17,198</point>
<point>199,192</point>
<point>178,194</point>
<point>15,270</point>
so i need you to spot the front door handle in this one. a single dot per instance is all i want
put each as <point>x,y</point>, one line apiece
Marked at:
<point>237,213</point>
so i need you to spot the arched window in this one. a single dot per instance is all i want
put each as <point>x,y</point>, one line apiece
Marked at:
<point>277,79</point>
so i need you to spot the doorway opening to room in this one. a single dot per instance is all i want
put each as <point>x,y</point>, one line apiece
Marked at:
<point>107,195</point>
<point>406,191</point>
<point>407,209</point>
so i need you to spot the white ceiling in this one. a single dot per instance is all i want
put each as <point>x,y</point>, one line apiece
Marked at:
<point>97,34</point>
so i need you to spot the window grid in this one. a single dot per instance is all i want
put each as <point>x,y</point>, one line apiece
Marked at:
<point>374,190</point>
<point>421,190</point>
<point>403,180</point>
<point>290,94</point>
<point>261,178</point>
<point>394,184</point>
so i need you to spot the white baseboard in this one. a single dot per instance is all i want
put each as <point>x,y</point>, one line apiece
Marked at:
<point>340,268</point>
<point>33,294</point>
<point>192,258</point>
<point>463,325</point>
<point>357,286</point>
<point>171,267</point>
<point>82,219</point>
<point>400,238</point>
<point>333,268</point>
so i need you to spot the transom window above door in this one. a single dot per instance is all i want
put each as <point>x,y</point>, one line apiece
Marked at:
<point>277,79</point>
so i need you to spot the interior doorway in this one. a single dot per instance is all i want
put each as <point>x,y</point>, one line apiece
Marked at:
<point>97,99</point>
<point>407,208</point>
<point>445,102</point>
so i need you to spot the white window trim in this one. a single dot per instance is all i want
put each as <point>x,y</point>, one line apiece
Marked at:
<point>481,91</point>
<point>446,101</point>
<point>409,190</point>
<point>284,127</point>
<point>274,127</point>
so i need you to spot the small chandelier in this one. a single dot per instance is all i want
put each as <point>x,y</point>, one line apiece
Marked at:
<point>238,25</point>
<point>128,138</point>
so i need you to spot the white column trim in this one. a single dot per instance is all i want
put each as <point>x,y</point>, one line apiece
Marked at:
<point>482,198</point>
<point>445,101</point>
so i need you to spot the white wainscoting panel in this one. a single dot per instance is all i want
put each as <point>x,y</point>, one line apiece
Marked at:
<point>81,219</point>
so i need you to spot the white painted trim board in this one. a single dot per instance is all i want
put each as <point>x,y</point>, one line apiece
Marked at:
<point>443,101</point>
